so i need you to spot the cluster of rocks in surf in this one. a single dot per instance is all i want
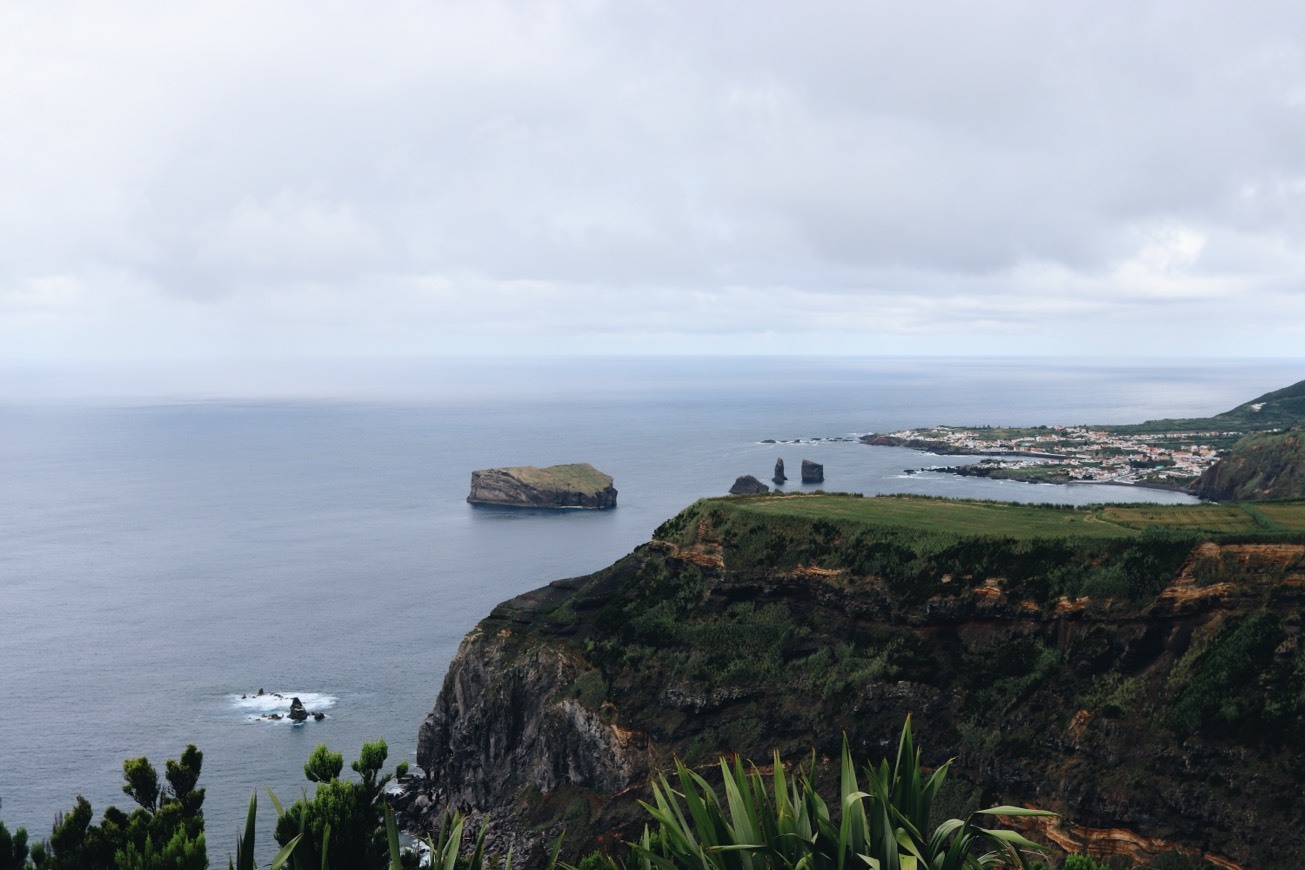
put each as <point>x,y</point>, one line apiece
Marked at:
<point>298,712</point>
<point>812,472</point>
<point>815,440</point>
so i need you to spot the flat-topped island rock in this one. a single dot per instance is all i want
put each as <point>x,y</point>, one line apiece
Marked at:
<point>578,485</point>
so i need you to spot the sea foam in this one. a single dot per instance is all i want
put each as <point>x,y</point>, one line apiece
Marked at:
<point>257,708</point>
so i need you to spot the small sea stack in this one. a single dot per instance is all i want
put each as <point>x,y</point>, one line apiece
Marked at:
<point>779,477</point>
<point>812,472</point>
<point>748,485</point>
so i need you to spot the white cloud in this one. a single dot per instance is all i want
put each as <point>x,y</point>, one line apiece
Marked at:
<point>290,237</point>
<point>341,178</point>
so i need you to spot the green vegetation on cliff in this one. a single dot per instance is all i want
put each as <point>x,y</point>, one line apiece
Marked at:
<point>577,476</point>
<point>1279,409</point>
<point>780,822</point>
<point>1259,467</point>
<point>1136,668</point>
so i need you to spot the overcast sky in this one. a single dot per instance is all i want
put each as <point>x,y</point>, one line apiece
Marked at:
<point>250,180</point>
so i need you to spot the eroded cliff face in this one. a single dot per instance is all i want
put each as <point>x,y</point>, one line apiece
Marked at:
<point>520,731</point>
<point>1167,720</point>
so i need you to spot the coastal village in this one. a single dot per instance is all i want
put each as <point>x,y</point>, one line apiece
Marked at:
<point>1058,454</point>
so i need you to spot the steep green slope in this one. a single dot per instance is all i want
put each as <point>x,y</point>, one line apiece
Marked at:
<point>1259,467</point>
<point>1279,409</point>
<point>1138,670</point>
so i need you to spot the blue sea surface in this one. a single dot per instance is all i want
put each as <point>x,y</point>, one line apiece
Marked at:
<point>164,554</point>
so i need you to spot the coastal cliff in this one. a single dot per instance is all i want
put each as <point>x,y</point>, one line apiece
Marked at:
<point>578,485</point>
<point>1259,467</point>
<point>1146,682</point>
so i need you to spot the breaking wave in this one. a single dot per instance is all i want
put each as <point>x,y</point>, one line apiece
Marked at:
<point>261,708</point>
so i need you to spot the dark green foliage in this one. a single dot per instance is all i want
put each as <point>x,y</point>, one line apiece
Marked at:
<point>165,833</point>
<point>343,822</point>
<point>75,842</point>
<point>1262,466</point>
<point>182,777</point>
<point>323,765</point>
<point>13,848</point>
<point>1082,862</point>
<point>371,758</point>
<point>180,852</point>
<point>142,782</point>
<point>1217,690</point>
<point>595,861</point>
<point>919,563</point>
<point>590,689</point>
<point>768,823</point>
<point>244,859</point>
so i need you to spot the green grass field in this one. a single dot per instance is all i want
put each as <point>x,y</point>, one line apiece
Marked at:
<point>581,477</point>
<point>1001,519</point>
<point>1288,514</point>
<point>940,515</point>
<point>1213,518</point>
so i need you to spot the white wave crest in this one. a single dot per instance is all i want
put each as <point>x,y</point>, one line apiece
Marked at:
<point>259,707</point>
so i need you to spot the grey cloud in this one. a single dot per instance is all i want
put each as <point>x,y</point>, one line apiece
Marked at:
<point>947,169</point>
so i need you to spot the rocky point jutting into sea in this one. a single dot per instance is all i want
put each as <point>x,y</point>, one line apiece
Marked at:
<point>1138,670</point>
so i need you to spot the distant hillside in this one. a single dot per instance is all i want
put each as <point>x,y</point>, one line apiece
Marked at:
<point>1280,409</point>
<point>1264,466</point>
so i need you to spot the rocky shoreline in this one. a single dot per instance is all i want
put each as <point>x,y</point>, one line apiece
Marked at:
<point>1005,474</point>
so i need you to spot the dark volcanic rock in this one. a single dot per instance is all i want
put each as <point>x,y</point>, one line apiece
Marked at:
<point>812,472</point>
<point>297,711</point>
<point>748,485</point>
<point>579,485</point>
<point>779,472</point>
<point>492,739</point>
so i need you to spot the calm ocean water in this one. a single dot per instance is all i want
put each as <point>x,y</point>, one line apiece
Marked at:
<point>161,555</point>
